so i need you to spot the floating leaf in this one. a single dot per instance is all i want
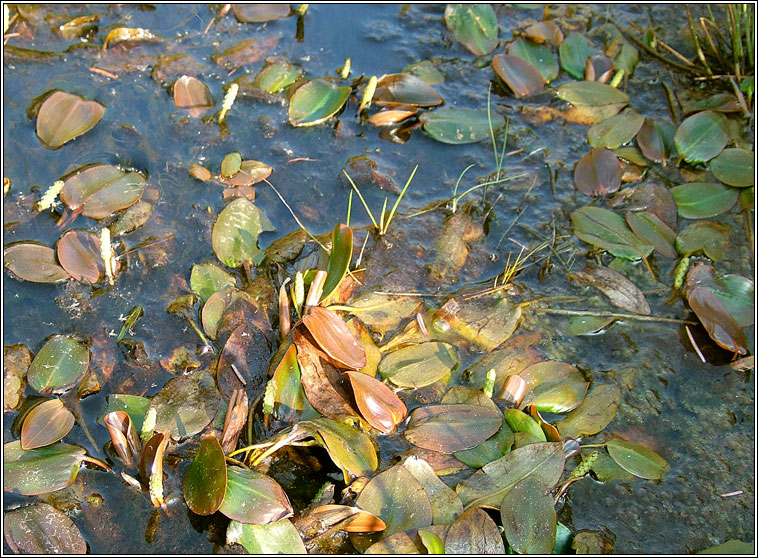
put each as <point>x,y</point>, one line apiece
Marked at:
<point>598,173</point>
<point>418,365</point>
<point>698,200</point>
<point>191,93</point>
<point>398,498</point>
<point>474,532</point>
<point>252,497</point>
<point>349,518</point>
<point>446,505</point>
<point>316,101</point>
<point>494,447</point>
<point>339,259</point>
<point>574,51</point>
<point>204,483</point>
<point>460,125</point>
<point>46,424</point>
<point>244,358</point>
<point>258,13</point>
<point>207,279</point>
<point>127,35</point>
<point>717,320</point>
<point>652,230</point>
<point>432,542</point>
<point>650,196</point>
<point>99,190</point>
<point>63,117</point>
<point>735,167</point>
<point>620,290</point>
<point>276,75</point>
<point>334,337</point>
<point>279,537</point>
<point>397,90</point>
<point>538,55</point>
<point>618,130</point>
<point>426,70</point>
<point>186,404</point>
<point>702,136</point>
<point>79,254</point>
<point>637,459</point>
<point>528,517</point>
<point>544,31</point>
<point>521,422</point>
<point>710,238</point>
<point>290,396</point>
<point>450,428</point>
<point>230,165</point>
<point>41,529</point>
<point>553,386</point>
<point>473,25</point>
<point>656,139</point>
<point>595,413</point>
<point>608,230</point>
<point>134,405</point>
<point>491,483</point>
<point>40,470</point>
<point>350,449</point>
<point>235,233</point>
<point>737,293</point>
<point>34,262</point>
<point>518,74</point>
<point>590,93</point>
<point>377,403</point>
<point>59,365</point>
<point>587,325</point>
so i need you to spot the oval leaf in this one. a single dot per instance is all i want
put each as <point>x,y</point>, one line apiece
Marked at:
<point>207,279</point>
<point>538,55</point>
<point>702,136</point>
<point>460,125</point>
<point>279,537</point>
<point>204,483</point>
<point>41,529</point>
<point>598,173</point>
<point>518,74</point>
<point>258,13</point>
<point>620,290</point>
<point>99,190</point>
<point>717,320</point>
<point>63,117</point>
<point>608,230</point>
<point>656,139</point>
<point>79,254</point>
<point>33,262</point>
<point>186,404</point>
<point>590,93</point>
<point>46,424</point>
<point>473,25</point>
<point>650,229</point>
<point>474,532</point>
<point>637,459</point>
<point>595,413</point>
<point>59,364</point>
<point>235,233</point>
<point>418,365</point>
<point>528,517</point>
<point>252,497</point>
<point>316,101</point>
<point>616,130</point>
<point>707,237</point>
<point>407,90</point>
<point>450,428</point>
<point>191,93</point>
<point>349,448</point>
<point>735,167</point>
<point>574,51</point>
<point>40,470</point>
<point>334,337</point>
<point>698,200</point>
<point>377,403</point>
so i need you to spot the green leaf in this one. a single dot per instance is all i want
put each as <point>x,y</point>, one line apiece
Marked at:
<point>186,404</point>
<point>432,542</point>
<point>41,470</point>
<point>710,238</point>
<point>204,483</point>
<point>737,293</point>
<point>528,517</point>
<point>617,130</point>
<point>41,529</point>
<point>698,200</point>
<point>34,262</point>
<point>735,167</point>
<point>652,230</point>
<point>595,413</point>
<point>518,74</point>
<point>446,505</point>
<point>656,139</point>
<point>99,190</point>
<point>252,497</point>
<point>473,25</point>
<point>209,278</point>
<point>235,233</point>
<point>451,428</point>
<point>316,101</point>
<point>460,125</point>
<point>587,325</point>
<point>563,539</point>
<point>608,231</point>
<point>553,386</point>
<point>474,533</point>
<point>230,165</point>
<point>350,449</point>
<point>731,546</point>
<point>637,459</point>
<point>339,259</point>
<point>63,117</point>
<point>590,93</point>
<point>538,56</point>
<point>277,75</point>
<point>279,537</point>
<point>574,51</point>
<point>491,483</point>
<point>133,405</point>
<point>59,365</point>
<point>418,365</point>
<point>404,89</point>
<point>494,447</point>
<point>521,422</point>
<point>702,136</point>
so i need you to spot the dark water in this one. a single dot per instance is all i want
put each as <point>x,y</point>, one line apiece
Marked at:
<point>700,417</point>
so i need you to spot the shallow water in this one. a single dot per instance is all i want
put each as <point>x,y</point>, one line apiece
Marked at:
<point>699,417</point>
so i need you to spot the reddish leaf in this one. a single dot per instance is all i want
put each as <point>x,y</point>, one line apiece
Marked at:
<point>717,320</point>
<point>191,93</point>
<point>47,423</point>
<point>598,173</point>
<point>518,74</point>
<point>598,68</point>
<point>334,338</point>
<point>544,31</point>
<point>404,89</point>
<point>247,351</point>
<point>63,116</point>
<point>124,437</point>
<point>378,404</point>
<point>33,262</point>
<point>79,255</point>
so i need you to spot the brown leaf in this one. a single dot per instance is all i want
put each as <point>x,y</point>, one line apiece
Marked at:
<point>334,338</point>
<point>63,117</point>
<point>518,74</point>
<point>79,254</point>
<point>378,404</point>
<point>47,423</point>
<point>124,437</point>
<point>717,320</point>
<point>620,290</point>
<point>248,351</point>
<point>598,173</point>
<point>353,520</point>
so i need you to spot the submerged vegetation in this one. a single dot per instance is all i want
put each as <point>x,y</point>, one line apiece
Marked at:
<point>348,388</point>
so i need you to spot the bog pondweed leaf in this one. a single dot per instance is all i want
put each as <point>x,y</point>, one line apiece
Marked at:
<point>34,262</point>
<point>595,412</point>
<point>349,448</point>
<point>538,55</point>
<point>473,25</point>
<point>618,130</point>
<point>235,233</point>
<point>656,139</point>
<point>474,532</point>
<point>598,173</point>
<point>451,428</point>
<point>252,497</point>
<point>735,167</point>
<point>79,254</point>
<point>707,237</point>
<point>99,190</point>
<point>518,74</point>
<point>279,537</point>
<point>590,93</point>
<point>528,516</point>
<point>63,117</point>
<point>418,365</point>
<point>460,125</point>
<point>717,320</point>
<point>42,529</point>
<point>46,424</point>
<point>207,279</point>
<point>637,459</point>
<point>186,404</point>
<point>702,136</point>
<point>405,90</point>
<point>446,505</point>
<point>699,200</point>
<point>316,101</point>
<point>574,51</point>
<point>204,483</point>
<point>608,231</point>
<point>40,470</point>
<point>58,365</point>
<point>652,230</point>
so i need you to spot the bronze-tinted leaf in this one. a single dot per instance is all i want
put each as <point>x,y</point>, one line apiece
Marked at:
<point>620,290</point>
<point>34,262</point>
<point>79,254</point>
<point>378,404</point>
<point>63,116</point>
<point>544,31</point>
<point>124,437</point>
<point>598,68</point>
<point>474,532</point>
<point>40,470</point>
<point>252,497</point>
<point>404,89</point>
<point>518,74</point>
<point>450,428</point>
<point>99,190</point>
<point>656,139</point>
<point>391,116</point>
<point>717,320</point>
<point>528,517</point>
<point>47,423</point>
<point>595,413</point>
<point>186,404</point>
<point>151,465</point>
<point>258,13</point>
<point>446,506</point>
<point>598,173</point>
<point>354,520</point>
<point>351,449</point>
<point>204,483</point>
<point>334,338</point>
<point>42,529</point>
<point>191,93</point>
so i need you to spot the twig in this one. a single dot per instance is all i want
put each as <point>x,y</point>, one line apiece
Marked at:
<point>694,344</point>
<point>103,73</point>
<point>298,221</point>
<point>730,494</point>
<point>654,54</point>
<point>639,317</point>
